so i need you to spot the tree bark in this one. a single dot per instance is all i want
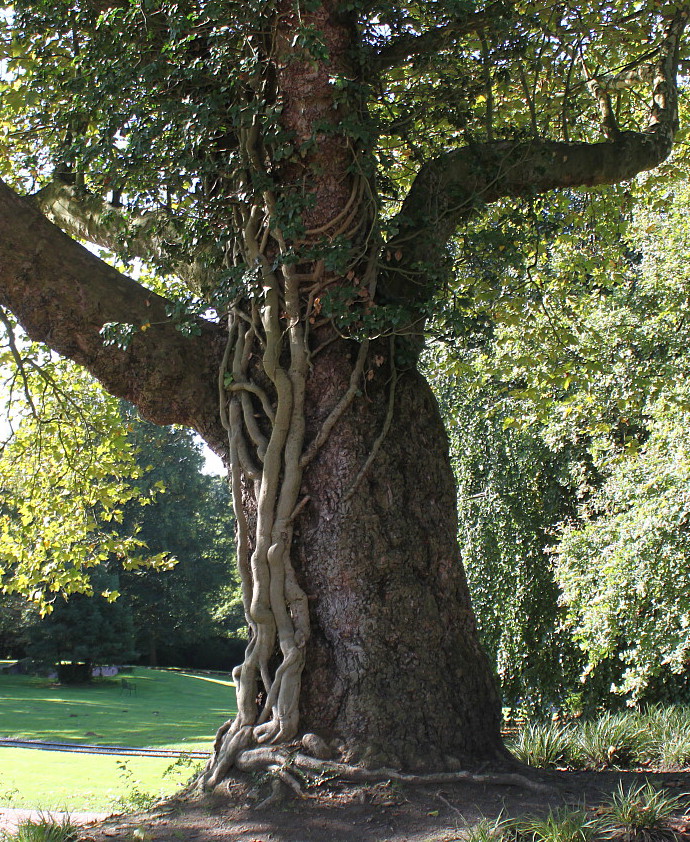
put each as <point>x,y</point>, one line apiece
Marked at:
<point>394,666</point>
<point>62,295</point>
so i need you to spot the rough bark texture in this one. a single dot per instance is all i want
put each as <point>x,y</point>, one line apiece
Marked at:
<point>394,667</point>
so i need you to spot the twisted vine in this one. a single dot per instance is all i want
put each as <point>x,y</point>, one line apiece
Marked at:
<point>262,383</point>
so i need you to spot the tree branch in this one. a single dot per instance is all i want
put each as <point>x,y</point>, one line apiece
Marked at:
<point>407,46</point>
<point>151,236</point>
<point>450,188</point>
<point>62,295</point>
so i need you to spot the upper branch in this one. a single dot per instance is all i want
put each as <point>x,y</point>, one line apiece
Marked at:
<point>450,188</point>
<point>62,295</point>
<point>409,45</point>
<point>150,236</point>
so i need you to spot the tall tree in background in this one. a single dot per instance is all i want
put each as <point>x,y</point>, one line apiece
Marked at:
<point>179,608</point>
<point>303,167</point>
<point>84,630</point>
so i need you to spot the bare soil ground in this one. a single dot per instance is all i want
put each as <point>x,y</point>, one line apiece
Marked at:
<point>383,812</point>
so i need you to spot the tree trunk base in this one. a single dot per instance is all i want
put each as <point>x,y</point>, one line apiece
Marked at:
<point>293,770</point>
<point>297,770</point>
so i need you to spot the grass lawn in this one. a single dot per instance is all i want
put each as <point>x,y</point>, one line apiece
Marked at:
<point>55,780</point>
<point>170,709</point>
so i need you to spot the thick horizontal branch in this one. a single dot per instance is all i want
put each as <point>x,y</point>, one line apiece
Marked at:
<point>62,295</point>
<point>452,187</point>
<point>405,47</point>
<point>150,236</point>
<point>449,189</point>
<point>614,82</point>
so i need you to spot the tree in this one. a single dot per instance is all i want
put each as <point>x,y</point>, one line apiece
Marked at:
<point>83,631</point>
<point>179,608</point>
<point>628,611</point>
<point>67,471</point>
<point>592,376</point>
<point>304,167</point>
<point>513,493</point>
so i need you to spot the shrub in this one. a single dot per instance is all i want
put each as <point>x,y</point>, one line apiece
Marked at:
<point>612,740</point>
<point>562,825</point>
<point>44,829</point>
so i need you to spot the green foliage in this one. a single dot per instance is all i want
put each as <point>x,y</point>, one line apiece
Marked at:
<point>624,570</point>
<point>186,610</point>
<point>561,825</point>
<point>179,613</point>
<point>85,628</point>
<point>543,744</point>
<point>658,737</point>
<point>16,615</point>
<point>512,491</point>
<point>66,473</point>
<point>135,797</point>
<point>44,829</point>
<point>668,736</point>
<point>572,382</point>
<point>611,740</point>
<point>638,814</point>
<point>485,830</point>
<point>623,567</point>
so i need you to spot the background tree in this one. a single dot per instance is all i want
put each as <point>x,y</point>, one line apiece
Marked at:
<point>304,168</point>
<point>185,616</point>
<point>586,372</point>
<point>513,493</point>
<point>67,471</point>
<point>83,631</point>
<point>189,601</point>
<point>15,617</point>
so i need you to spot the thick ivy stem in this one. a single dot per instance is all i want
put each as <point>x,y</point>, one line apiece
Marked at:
<point>268,452</point>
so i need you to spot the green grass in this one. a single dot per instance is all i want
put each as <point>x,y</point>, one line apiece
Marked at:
<point>54,780</point>
<point>171,709</point>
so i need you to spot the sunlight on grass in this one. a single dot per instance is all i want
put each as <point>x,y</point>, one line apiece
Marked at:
<point>208,678</point>
<point>55,780</point>
<point>168,709</point>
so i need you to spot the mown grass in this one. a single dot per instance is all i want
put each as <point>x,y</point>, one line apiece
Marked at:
<point>57,781</point>
<point>170,709</point>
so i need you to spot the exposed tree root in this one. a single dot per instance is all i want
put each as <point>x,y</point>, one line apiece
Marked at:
<point>295,770</point>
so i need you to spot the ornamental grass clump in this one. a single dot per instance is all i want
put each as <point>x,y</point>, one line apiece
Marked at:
<point>669,736</point>
<point>638,814</point>
<point>542,744</point>
<point>487,830</point>
<point>43,829</point>
<point>614,740</point>
<point>561,825</point>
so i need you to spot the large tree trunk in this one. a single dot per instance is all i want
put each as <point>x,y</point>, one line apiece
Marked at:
<point>394,666</point>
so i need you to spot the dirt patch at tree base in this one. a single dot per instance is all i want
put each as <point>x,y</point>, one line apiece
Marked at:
<point>385,812</point>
